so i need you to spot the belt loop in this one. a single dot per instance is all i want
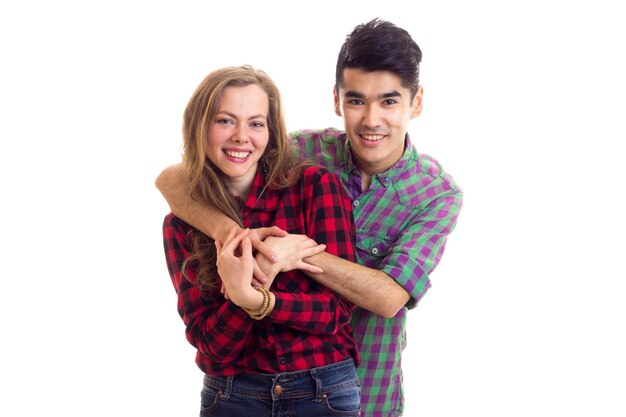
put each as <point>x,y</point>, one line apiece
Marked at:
<point>229,387</point>
<point>318,385</point>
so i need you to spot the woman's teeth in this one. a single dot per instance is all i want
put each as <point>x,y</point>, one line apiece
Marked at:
<point>239,155</point>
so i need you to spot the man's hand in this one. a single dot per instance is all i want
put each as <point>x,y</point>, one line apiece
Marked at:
<point>258,236</point>
<point>292,249</point>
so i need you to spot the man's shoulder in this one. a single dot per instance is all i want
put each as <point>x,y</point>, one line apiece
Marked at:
<point>424,180</point>
<point>325,147</point>
<point>327,136</point>
<point>426,167</point>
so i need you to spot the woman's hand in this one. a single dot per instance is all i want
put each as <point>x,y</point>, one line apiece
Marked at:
<point>291,250</point>
<point>235,268</point>
<point>257,237</point>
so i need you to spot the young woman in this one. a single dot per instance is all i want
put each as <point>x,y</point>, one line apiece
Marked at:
<point>285,348</point>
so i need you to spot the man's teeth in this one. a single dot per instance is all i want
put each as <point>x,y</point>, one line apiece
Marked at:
<point>372,137</point>
<point>240,155</point>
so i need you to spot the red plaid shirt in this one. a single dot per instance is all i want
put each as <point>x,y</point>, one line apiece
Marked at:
<point>309,326</point>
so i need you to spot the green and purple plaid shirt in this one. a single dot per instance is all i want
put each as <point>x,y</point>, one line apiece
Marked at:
<point>402,222</point>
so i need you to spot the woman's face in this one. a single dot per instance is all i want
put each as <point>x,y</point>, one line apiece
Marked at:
<point>238,135</point>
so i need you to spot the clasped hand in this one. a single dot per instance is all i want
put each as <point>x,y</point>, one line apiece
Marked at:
<point>287,252</point>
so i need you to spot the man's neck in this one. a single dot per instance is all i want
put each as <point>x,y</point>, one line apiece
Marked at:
<point>366,181</point>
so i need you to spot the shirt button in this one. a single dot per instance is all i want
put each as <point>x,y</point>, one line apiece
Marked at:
<point>271,330</point>
<point>283,360</point>
<point>375,251</point>
<point>357,203</point>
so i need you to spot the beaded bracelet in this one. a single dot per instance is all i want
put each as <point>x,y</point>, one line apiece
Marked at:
<point>266,307</point>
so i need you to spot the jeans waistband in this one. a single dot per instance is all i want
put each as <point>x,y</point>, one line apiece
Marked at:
<point>296,384</point>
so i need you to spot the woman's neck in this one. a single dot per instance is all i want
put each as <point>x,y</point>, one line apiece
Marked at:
<point>241,186</point>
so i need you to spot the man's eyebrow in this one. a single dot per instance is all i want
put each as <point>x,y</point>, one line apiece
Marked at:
<point>356,94</point>
<point>393,93</point>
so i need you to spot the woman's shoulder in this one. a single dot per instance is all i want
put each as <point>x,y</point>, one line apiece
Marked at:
<point>314,174</point>
<point>314,171</point>
<point>175,223</point>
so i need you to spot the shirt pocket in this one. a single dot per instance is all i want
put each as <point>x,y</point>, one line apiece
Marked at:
<point>372,249</point>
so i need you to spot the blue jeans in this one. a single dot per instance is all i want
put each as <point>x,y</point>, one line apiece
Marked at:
<point>331,390</point>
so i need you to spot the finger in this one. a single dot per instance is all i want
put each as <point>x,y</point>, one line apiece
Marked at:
<point>224,292</point>
<point>304,241</point>
<point>246,247</point>
<point>218,247</point>
<point>235,241</point>
<point>303,266</point>
<point>265,250</point>
<point>258,273</point>
<point>264,232</point>
<point>257,283</point>
<point>313,251</point>
<point>232,233</point>
<point>308,243</point>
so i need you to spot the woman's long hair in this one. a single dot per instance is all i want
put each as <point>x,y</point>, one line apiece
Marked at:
<point>205,182</point>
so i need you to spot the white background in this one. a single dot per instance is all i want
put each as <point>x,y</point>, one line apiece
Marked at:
<point>524,106</point>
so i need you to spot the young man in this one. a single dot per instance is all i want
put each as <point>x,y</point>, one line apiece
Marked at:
<point>404,204</point>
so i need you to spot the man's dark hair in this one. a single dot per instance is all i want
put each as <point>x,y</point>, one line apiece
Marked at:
<point>379,45</point>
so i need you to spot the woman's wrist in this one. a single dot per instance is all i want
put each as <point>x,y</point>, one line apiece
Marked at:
<point>249,298</point>
<point>269,300</point>
<point>267,304</point>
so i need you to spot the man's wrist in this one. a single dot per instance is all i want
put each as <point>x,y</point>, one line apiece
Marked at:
<point>224,230</point>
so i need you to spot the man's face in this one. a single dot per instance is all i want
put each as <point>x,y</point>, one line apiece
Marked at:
<point>376,110</point>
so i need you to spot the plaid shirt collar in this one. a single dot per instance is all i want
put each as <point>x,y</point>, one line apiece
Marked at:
<point>271,197</point>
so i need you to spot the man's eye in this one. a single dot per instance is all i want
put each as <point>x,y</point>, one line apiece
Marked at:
<point>355,102</point>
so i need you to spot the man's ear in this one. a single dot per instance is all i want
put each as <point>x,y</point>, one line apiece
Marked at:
<point>336,98</point>
<point>417,102</point>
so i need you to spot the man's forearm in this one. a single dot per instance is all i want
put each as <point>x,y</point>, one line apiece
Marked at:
<point>201,215</point>
<point>368,288</point>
